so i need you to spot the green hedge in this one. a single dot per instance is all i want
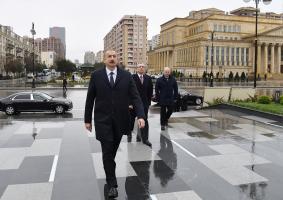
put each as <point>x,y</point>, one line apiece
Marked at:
<point>281,100</point>
<point>264,100</point>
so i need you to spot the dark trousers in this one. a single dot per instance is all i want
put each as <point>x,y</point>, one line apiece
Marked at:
<point>143,131</point>
<point>165,113</point>
<point>109,150</point>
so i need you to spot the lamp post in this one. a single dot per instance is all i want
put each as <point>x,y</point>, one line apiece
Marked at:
<point>33,33</point>
<point>266,2</point>
<point>212,59</point>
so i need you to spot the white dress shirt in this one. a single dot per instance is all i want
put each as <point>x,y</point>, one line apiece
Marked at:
<point>114,75</point>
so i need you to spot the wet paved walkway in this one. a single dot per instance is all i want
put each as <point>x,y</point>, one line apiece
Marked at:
<point>203,155</point>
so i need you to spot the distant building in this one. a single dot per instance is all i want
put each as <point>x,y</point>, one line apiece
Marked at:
<point>89,57</point>
<point>59,32</point>
<point>14,47</point>
<point>48,58</point>
<point>51,44</point>
<point>186,43</point>
<point>129,39</point>
<point>99,57</point>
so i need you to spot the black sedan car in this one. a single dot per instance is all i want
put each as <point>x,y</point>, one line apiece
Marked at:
<point>34,102</point>
<point>184,99</point>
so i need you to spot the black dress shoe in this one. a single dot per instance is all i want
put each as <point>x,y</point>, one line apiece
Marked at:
<point>147,143</point>
<point>162,128</point>
<point>113,192</point>
<point>138,138</point>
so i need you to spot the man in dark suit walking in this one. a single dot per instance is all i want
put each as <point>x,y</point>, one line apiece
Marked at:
<point>166,91</point>
<point>110,91</point>
<point>145,89</point>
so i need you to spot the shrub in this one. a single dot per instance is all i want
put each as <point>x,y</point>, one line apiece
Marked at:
<point>281,100</point>
<point>253,98</point>
<point>264,100</point>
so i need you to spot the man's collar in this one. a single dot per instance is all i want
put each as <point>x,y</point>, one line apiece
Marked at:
<point>108,70</point>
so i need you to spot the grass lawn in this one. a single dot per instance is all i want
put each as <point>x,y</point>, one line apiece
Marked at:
<point>272,108</point>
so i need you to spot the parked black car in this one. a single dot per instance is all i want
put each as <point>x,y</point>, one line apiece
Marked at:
<point>34,102</point>
<point>184,99</point>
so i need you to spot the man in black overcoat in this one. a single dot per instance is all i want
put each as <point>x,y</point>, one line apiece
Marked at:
<point>110,92</point>
<point>145,89</point>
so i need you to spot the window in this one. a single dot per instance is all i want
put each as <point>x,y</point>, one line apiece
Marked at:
<point>215,27</point>
<point>22,97</point>
<point>247,56</point>
<point>227,55</point>
<point>206,55</point>
<point>225,28</point>
<point>38,97</point>
<point>237,56</point>
<point>222,56</point>
<point>232,56</point>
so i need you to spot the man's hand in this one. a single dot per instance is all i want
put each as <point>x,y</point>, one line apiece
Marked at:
<point>141,123</point>
<point>88,126</point>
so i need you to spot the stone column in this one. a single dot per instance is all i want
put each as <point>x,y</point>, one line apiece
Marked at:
<point>272,59</point>
<point>225,60</point>
<point>259,68</point>
<point>209,56</point>
<point>240,56</point>
<point>167,58</point>
<point>265,58</point>
<point>245,57</point>
<point>230,56</point>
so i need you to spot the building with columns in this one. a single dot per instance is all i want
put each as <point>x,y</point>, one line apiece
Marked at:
<point>212,40</point>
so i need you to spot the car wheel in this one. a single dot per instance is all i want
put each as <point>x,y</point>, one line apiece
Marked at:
<point>59,109</point>
<point>10,110</point>
<point>198,101</point>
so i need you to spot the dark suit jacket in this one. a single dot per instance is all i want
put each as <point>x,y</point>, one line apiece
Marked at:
<point>111,109</point>
<point>166,91</point>
<point>145,90</point>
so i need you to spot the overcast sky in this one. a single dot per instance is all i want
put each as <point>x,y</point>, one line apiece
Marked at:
<point>88,21</point>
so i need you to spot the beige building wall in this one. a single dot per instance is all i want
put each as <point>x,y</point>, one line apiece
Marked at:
<point>48,58</point>
<point>186,44</point>
<point>129,39</point>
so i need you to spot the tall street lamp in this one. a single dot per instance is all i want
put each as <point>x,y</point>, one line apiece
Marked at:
<point>33,33</point>
<point>266,2</point>
<point>212,59</point>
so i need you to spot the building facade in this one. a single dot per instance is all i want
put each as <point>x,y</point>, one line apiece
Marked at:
<point>14,47</point>
<point>211,40</point>
<point>60,33</point>
<point>129,39</point>
<point>89,57</point>
<point>99,57</point>
<point>48,58</point>
<point>51,44</point>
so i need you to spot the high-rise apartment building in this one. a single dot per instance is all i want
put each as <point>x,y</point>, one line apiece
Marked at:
<point>89,57</point>
<point>51,44</point>
<point>129,39</point>
<point>59,32</point>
